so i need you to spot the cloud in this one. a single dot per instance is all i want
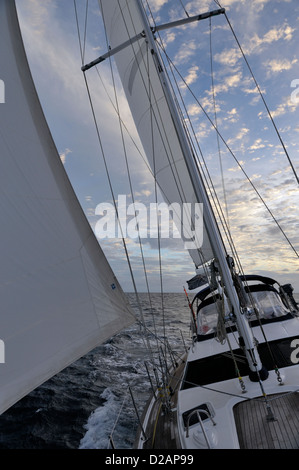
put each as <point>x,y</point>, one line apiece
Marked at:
<point>64,154</point>
<point>230,81</point>
<point>275,34</point>
<point>156,5</point>
<point>240,135</point>
<point>228,57</point>
<point>258,144</point>
<point>169,37</point>
<point>286,106</point>
<point>278,65</point>
<point>206,103</point>
<point>237,168</point>
<point>259,242</point>
<point>232,116</point>
<point>192,75</point>
<point>186,51</point>
<point>38,13</point>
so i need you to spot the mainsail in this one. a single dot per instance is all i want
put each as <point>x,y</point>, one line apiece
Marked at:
<point>59,296</point>
<point>139,72</point>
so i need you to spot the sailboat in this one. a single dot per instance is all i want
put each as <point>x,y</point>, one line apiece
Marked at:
<point>238,385</point>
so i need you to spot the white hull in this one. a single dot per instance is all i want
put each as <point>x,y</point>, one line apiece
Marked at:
<point>239,419</point>
<point>222,397</point>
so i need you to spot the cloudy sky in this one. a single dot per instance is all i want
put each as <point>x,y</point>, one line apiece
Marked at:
<point>268,31</point>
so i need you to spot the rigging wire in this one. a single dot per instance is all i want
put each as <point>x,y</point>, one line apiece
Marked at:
<point>107,170</point>
<point>225,220</point>
<point>240,166</point>
<point>133,199</point>
<point>218,137</point>
<point>260,93</point>
<point>200,254</point>
<point>82,47</point>
<point>154,115</point>
<point>218,206</point>
<point>264,101</point>
<point>160,257</point>
<point>205,171</point>
<point>156,201</point>
<point>132,139</point>
<point>236,160</point>
<point>131,188</point>
<point>85,29</point>
<point>216,124</point>
<point>160,44</point>
<point>148,86</point>
<point>252,300</point>
<point>184,8</point>
<point>146,163</point>
<point>156,183</point>
<point>164,138</point>
<point>120,121</point>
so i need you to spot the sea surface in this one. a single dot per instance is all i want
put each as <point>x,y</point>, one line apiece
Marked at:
<point>89,403</point>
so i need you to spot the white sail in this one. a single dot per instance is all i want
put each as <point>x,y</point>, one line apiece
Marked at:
<point>139,73</point>
<point>59,297</point>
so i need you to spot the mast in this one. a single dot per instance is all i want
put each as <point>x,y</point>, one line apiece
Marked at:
<point>256,367</point>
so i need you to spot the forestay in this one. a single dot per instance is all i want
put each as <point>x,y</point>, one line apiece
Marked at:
<point>141,78</point>
<point>59,297</point>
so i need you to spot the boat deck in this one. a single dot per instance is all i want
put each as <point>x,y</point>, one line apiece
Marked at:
<point>164,435</point>
<point>256,432</point>
<point>161,428</point>
<point>254,429</point>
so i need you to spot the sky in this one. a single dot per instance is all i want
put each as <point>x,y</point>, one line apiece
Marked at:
<point>268,31</point>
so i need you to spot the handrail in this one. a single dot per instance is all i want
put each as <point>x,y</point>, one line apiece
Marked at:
<point>198,411</point>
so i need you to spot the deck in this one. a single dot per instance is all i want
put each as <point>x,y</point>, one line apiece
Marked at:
<point>256,432</point>
<point>161,427</point>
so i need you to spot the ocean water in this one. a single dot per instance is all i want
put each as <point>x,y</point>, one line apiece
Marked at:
<point>85,404</point>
